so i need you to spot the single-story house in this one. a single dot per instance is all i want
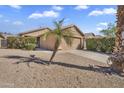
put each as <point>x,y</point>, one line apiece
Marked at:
<point>78,38</point>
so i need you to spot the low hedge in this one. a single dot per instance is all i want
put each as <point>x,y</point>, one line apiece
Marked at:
<point>100,44</point>
<point>28,43</point>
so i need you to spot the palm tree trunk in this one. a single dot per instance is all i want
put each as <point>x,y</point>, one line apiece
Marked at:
<point>120,28</point>
<point>54,52</point>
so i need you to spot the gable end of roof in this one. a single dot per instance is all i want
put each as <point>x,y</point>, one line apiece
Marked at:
<point>69,26</point>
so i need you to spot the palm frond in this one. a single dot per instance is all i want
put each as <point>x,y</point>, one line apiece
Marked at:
<point>68,40</point>
<point>58,26</point>
<point>61,22</point>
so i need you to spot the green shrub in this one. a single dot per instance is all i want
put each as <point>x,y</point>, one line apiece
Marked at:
<point>28,43</point>
<point>11,42</point>
<point>30,46</point>
<point>91,44</point>
<point>100,44</point>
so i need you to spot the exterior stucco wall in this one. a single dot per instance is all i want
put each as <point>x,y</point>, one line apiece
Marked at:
<point>48,43</point>
<point>37,33</point>
<point>63,45</point>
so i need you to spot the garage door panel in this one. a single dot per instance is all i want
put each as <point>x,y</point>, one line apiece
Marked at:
<point>76,43</point>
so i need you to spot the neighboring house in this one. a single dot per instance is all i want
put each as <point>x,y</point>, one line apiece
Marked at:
<point>98,36</point>
<point>89,35</point>
<point>92,35</point>
<point>78,38</point>
<point>1,39</point>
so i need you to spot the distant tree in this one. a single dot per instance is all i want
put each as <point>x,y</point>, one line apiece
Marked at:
<point>109,31</point>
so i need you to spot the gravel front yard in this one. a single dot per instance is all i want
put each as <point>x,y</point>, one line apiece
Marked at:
<point>67,70</point>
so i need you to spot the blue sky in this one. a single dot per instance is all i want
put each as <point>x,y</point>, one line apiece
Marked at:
<point>16,19</point>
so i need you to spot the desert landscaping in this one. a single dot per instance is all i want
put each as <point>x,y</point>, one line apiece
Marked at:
<point>63,55</point>
<point>17,69</point>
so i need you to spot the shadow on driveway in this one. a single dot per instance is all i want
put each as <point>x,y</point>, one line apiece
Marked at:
<point>32,58</point>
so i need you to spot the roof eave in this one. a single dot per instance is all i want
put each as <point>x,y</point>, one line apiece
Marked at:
<point>34,31</point>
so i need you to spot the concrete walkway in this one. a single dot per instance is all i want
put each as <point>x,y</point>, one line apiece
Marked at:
<point>91,55</point>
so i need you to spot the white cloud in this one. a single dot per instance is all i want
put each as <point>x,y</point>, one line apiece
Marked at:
<point>57,8</point>
<point>16,6</point>
<point>44,14</point>
<point>105,11</point>
<point>80,7</point>
<point>35,16</point>
<point>95,13</point>
<point>103,24</point>
<point>50,14</point>
<point>109,11</point>
<point>18,23</point>
<point>99,28</point>
<point>1,16</point>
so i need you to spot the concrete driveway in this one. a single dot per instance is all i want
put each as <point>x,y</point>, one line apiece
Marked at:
<point>87,54</point>
<point>91,55</point>
<point>100,57</point>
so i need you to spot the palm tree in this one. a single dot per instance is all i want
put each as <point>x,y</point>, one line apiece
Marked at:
<point>59,35</point>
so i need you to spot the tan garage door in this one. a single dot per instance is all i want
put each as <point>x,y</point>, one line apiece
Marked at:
<point>76,43</point>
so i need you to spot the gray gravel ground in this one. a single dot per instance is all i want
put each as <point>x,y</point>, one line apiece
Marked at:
<point>67,70</point>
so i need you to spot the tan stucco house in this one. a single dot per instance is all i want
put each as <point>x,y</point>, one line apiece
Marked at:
<point>78,38</point>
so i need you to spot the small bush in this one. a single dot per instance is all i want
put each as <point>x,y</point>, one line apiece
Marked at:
<point>28,43</point>
<point>30,46</point>
<point>91,44</point>
<point>100,44</point>
<point>11,42</point>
